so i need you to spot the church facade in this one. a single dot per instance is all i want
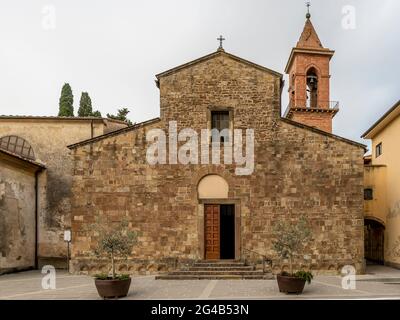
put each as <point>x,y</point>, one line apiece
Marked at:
<point>184,212</point>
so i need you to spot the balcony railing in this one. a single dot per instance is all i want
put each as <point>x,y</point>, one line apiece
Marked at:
<point>306,104</point>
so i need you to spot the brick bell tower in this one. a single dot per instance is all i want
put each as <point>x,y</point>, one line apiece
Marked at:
<point>308,70</point>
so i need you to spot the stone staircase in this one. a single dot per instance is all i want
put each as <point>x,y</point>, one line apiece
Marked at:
<point>217,270</point>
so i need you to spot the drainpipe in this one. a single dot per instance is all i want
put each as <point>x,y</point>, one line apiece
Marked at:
<point>91,129</point>
<point>36,218</point>
<point>91,135</point>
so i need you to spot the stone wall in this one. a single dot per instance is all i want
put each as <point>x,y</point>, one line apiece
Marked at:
<point>111,125</point>
<point>298,171</point>
<point>49,138</point>
<point>17,218</point>
<point>322,121</point>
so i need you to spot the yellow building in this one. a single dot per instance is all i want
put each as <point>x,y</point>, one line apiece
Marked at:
<point>382,190</point>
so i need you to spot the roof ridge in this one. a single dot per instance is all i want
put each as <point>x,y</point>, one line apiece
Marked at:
<point>61,118</point>
<point>213,54</point>
<point>49,117</point>
<point>113,133</point>
<point>383,117</point>
<point>321,132</point>
<point>33,162</point>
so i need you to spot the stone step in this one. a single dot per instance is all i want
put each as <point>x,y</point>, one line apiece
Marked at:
<point>214,273</point>
<point>220,261</point>
<point>215,264</point>
<point>222,268</point>
<point>217,270</point>
<point>266,276</point>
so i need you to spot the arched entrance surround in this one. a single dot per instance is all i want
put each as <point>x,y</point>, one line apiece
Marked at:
<point>218,219</point>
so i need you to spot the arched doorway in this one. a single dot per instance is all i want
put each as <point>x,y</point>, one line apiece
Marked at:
<point>18,204</point>
<point>219,217</point>
<point>374,232</point>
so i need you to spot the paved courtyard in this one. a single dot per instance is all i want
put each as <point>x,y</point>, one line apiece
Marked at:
<point>379,283</point>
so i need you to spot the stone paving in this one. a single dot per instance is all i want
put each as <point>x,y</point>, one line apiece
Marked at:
<point>379,283</point>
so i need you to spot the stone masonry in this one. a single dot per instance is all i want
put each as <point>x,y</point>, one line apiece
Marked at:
<point>299,170</point>
<point>17,212</point>
<point>49,137</point>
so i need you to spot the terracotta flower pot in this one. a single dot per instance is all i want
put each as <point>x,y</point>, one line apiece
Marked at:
<point>288,284</point>
<point>113,288</point>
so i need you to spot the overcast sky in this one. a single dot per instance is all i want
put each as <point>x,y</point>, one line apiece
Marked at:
<point>113,49</point>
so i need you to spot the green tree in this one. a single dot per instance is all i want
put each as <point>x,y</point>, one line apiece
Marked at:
<point>290,239</point>
<point>96,114</point>
<point>121,115</point>
<point>66,105</point>
<point>85,106</point>
<point>113,241</point>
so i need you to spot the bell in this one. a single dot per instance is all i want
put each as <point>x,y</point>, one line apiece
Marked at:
<point>312,79</point>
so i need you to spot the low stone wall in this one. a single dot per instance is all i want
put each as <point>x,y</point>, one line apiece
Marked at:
<point>92,266</point>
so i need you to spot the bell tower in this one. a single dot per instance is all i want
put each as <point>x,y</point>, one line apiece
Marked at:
<point>308,70</point>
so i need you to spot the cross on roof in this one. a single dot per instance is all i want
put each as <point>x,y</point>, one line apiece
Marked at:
<point>220,39</point>
<point>308,4</point>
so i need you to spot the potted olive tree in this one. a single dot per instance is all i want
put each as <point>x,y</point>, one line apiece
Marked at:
<point>113,242</point>
<point>289,240</point>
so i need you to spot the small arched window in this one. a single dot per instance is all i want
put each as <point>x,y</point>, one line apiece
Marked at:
<point>18,146</point>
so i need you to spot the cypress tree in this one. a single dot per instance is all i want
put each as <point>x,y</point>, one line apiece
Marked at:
<point>85,106</point>
<point>66,105</point>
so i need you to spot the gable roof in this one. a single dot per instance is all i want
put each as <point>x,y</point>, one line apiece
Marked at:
<point>27,162</point>
<point>219,52</point>
<point>324,133</point>
<point>113,133</point>
<point>383,121</point>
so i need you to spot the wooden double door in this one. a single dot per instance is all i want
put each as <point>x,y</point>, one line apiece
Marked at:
<point>219,231</point>
<point>374,241</point>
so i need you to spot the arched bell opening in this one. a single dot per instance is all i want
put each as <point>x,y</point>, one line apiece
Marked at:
<point>312,88</point>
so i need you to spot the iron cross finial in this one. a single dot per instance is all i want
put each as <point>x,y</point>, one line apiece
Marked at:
<point>308,4</point>
<point>220,39</point>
